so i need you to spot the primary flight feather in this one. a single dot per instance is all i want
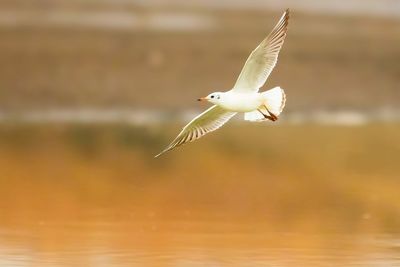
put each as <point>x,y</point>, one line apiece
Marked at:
<point>244,96</point>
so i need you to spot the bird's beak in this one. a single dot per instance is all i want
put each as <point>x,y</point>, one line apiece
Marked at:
<point>201,99</point>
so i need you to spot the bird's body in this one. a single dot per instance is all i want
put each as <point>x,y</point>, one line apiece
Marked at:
<point>241,101</point>
<point>244,96</point>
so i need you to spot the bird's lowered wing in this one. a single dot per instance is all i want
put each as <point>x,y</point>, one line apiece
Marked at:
<point>208,121</point>
<point>262,60</point>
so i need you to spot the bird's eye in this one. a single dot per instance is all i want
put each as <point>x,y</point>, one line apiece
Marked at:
<point>212,96</point>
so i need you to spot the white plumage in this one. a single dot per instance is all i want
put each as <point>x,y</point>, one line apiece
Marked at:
<point>244,96</point>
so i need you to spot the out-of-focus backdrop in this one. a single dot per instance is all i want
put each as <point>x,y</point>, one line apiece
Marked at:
<point>90,91</point>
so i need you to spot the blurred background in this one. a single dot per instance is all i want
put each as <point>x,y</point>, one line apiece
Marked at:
<point>91,90</point>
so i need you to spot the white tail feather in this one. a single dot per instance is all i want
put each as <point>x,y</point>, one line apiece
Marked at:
<point>254,116</point>
<point>274,100</point>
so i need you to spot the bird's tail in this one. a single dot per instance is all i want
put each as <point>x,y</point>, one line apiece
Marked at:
<point>274,102</point>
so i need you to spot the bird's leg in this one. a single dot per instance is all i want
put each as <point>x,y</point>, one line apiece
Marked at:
<point>271,116</point>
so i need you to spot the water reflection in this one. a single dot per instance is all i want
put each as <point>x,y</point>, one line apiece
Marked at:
<point>302,196</point>
<point>180,243</point>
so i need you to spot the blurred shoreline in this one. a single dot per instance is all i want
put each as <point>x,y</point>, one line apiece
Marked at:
<point>154,117</point>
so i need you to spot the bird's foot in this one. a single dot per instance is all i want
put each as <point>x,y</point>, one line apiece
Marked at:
<point>272,116</point>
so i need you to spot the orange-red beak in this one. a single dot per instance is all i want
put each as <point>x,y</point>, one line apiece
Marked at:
<point>201,99</point>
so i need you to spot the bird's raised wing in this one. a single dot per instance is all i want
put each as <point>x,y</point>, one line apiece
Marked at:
<point>208,121</point>
<point>263,59</point>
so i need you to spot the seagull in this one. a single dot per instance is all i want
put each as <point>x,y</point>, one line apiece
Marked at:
<point>244,96</point>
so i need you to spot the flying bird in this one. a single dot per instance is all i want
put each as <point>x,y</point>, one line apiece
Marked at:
<point>244,96</point>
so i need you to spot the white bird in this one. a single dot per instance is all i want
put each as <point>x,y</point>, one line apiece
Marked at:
<point>244,97</point>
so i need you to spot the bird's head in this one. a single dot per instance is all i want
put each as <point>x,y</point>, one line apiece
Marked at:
<point>214,98</point>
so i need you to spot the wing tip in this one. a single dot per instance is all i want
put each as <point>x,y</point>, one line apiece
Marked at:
<point>286,16</point>
<point>161,153</point>
<point>164,151</point>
